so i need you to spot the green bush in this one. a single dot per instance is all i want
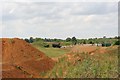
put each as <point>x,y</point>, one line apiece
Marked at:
<point>117,43</point>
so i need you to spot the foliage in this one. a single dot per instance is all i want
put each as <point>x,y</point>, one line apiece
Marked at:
<point>74,40</point>
<point>96,66</point>
<point>56,45</point>
<point>31,40</point>
<point>46,45</point>
<point>84,42</point>
<point>106,44</point>
<point>27,40</point>
<point>68,39</point>
<point>117,43</point>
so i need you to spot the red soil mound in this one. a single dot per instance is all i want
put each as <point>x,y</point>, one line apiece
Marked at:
<point>22,59</point>
<point>0,58</point>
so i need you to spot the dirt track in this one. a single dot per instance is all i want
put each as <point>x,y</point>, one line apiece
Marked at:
<point>20,59</point>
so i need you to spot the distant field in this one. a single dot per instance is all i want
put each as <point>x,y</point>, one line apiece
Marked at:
<point>53,52</point>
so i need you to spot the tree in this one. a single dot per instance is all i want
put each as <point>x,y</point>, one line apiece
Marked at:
<point>47,40</point>
<point>74,40</point>
<point>115,37</point>
<point>84,42</point>
<point>117,43</point>
<point>68,39</point>
<point>104,36</point>
<point>31,40</point>
<point>91,42</point>
<point>56,45</point>
<point>27,40</point>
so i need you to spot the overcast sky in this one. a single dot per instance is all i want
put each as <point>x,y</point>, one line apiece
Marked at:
<point>60,19</point>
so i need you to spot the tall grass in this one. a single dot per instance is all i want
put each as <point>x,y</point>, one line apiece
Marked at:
<point>95,66</point>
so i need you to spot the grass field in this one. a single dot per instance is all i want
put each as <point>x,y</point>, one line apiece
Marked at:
<point>53,52</point>
<point>90,66</point>
<point>97,66</point>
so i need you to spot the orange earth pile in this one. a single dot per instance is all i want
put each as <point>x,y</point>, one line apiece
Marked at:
<point>21,60</point>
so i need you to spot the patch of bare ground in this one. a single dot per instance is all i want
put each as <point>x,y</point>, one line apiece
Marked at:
<point>21,60</point>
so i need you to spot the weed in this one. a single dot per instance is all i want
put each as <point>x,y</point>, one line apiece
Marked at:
<point>18,67</point>
<point>43,74</point>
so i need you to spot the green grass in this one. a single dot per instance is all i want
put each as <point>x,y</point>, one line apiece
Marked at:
<point>66,43</point>
<point>92,66</point>
<point>52,52</point>
<point>96,66</point>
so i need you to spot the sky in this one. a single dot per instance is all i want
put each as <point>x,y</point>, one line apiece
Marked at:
<point>60,19</point>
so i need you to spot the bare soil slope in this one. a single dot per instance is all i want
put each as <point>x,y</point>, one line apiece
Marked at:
<point>20,59</point>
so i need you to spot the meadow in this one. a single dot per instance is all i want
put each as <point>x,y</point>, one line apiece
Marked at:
<point>96,66</point>
<point>81,65</point>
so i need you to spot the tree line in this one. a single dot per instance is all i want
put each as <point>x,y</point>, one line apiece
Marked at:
<point>112,40</point>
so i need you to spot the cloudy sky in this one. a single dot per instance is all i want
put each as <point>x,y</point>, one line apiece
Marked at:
<point>60,19</point>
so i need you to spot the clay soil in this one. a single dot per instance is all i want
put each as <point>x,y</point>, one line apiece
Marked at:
<point>21,60</point>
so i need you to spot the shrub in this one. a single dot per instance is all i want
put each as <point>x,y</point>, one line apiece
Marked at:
<point>46,45</point>
<point>117,43</point>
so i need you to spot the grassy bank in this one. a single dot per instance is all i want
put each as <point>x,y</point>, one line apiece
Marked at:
<point>52,52</point>
<point>91,66</point>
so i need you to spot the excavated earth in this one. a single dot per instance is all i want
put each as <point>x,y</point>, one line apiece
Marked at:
<point>21,60</point>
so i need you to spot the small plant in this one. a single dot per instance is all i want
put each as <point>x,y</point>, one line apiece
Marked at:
<point>18,67</point>
<point>46,45</point>
<point>60,72</point>
<point>30,76</point>
<point>43,73</point>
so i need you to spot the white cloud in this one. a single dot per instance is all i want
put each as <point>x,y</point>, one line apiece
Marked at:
<point>60,19</point>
